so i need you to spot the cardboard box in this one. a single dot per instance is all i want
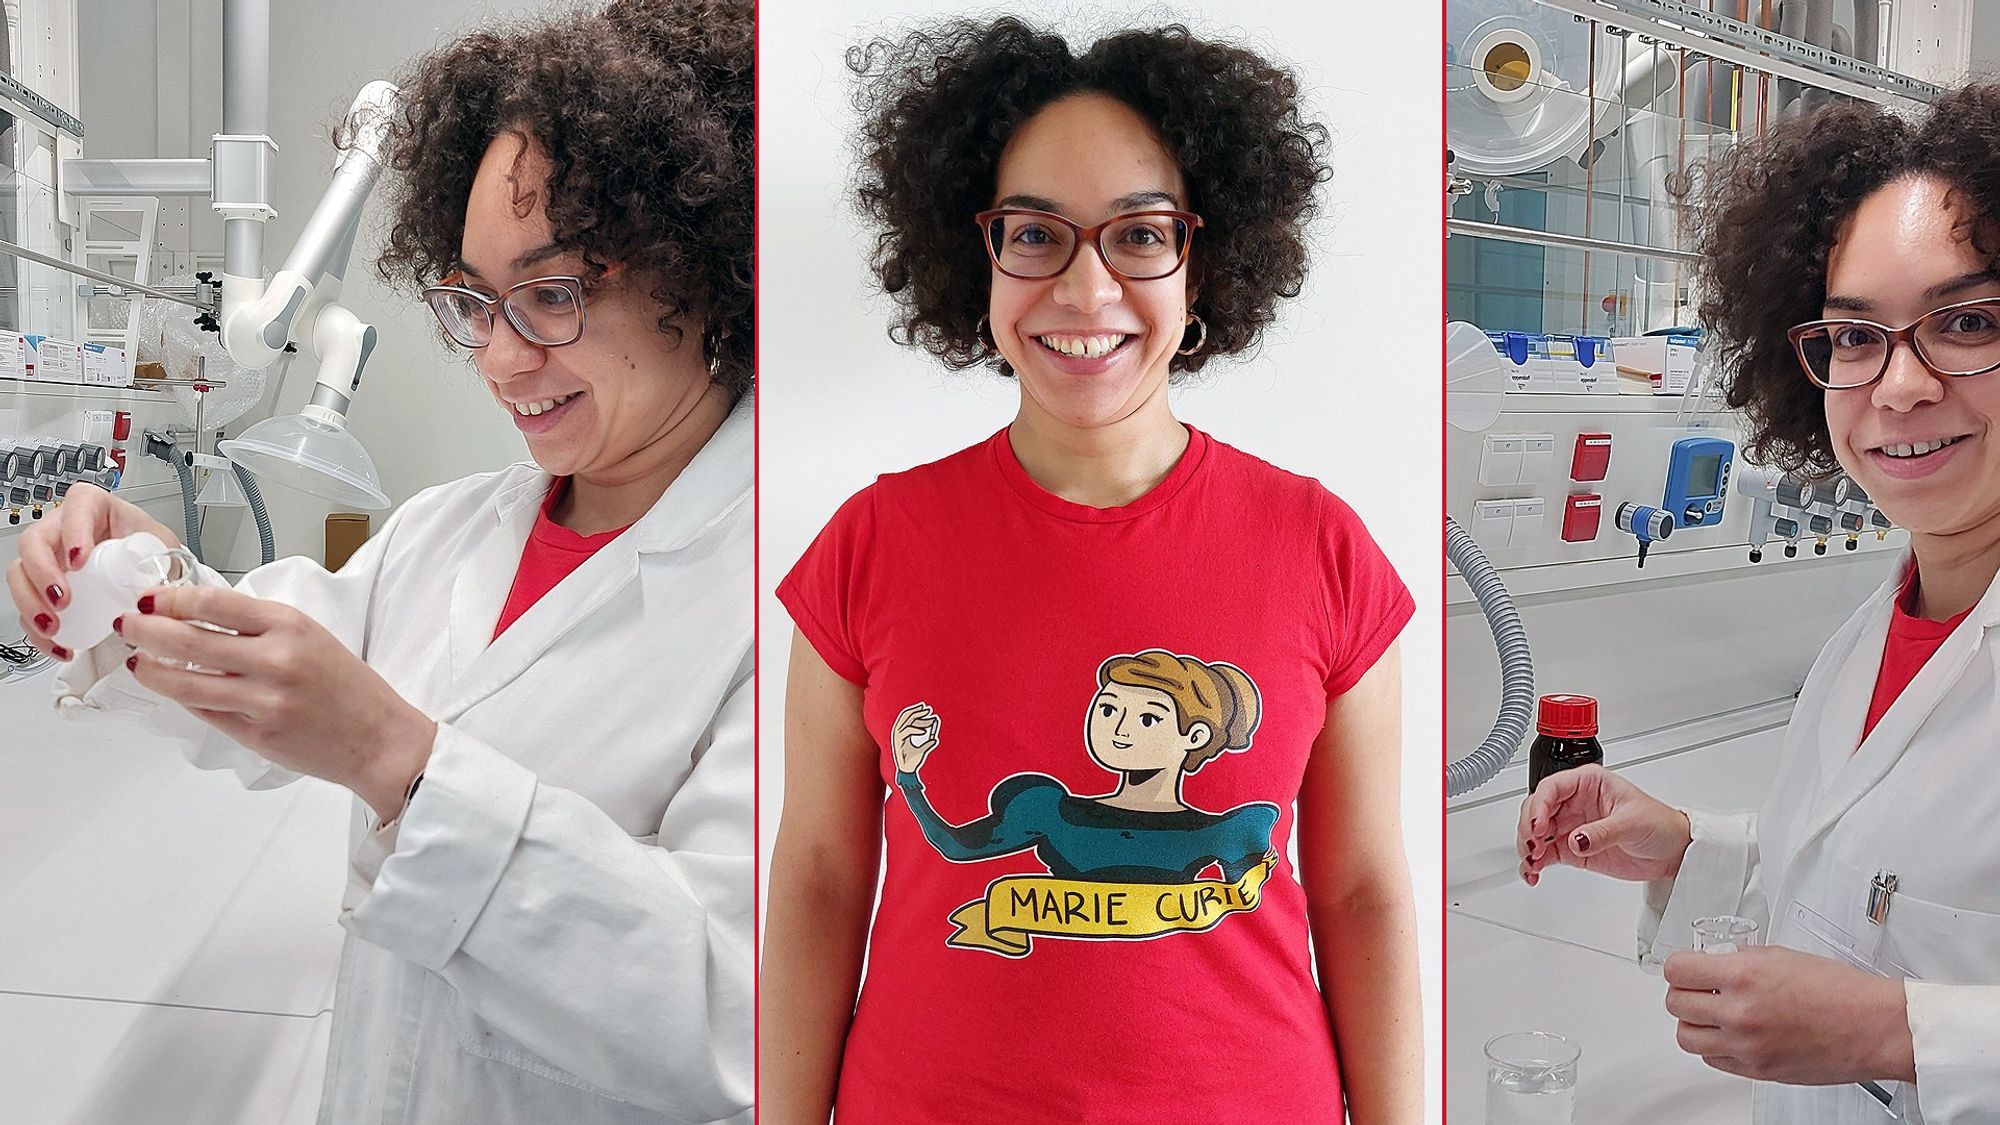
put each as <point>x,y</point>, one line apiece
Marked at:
<point>13,356</point>
<point>1661,365</point>
<point>57,361</point>
<point>106,366</point>
<point>345,533</point>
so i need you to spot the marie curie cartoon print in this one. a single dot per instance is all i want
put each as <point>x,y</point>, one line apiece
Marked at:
<point>1124,865</point>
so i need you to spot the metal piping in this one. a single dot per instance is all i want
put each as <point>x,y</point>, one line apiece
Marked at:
<point>1867,32</point>
<point>96,275</point>
<point>246,67</point>
<point>240,181</point>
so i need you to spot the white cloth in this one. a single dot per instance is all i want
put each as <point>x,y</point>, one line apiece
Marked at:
<point>1920,798</point>
<point>558,928</point>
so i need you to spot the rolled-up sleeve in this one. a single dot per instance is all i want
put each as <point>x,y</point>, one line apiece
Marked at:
<point>1720,874</point>
<point>1955,1029</point>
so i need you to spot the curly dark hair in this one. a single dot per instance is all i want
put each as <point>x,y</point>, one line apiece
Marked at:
<point>647,112</point>
<point>1766,215</point>
<point>940,103</point>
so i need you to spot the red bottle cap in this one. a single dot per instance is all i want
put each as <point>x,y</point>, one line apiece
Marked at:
<point>1567,716</point>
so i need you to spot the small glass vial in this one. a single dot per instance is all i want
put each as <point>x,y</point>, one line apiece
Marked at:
<point>1566,729</point>
<point>1724,933</point>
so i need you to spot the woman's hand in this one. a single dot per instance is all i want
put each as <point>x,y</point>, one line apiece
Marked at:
<point>1783,1016</point>
<point>282,685</point>
<point>38,580</point>
<point>1591,818</point>
<point>914,736</point>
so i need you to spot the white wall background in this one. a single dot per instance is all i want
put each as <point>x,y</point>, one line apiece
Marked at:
<point>151,78</point>
<point>1346,389</point>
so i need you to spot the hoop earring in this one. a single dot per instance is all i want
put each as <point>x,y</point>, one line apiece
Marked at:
<point>1201,340</point>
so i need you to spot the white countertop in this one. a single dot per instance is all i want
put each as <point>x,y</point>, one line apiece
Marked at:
<point>1561,957</point>
<point>171,938</point>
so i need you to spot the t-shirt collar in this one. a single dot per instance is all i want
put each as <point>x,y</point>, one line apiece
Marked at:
<point>1176,479</point>
<point>1906,625</point>
<point>549,533</point>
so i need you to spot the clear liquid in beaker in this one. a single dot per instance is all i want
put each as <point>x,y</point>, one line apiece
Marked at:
<point>1531,1080</point>
<point>1514,1099</point>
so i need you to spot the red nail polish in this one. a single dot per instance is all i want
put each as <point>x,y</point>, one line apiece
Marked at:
<point>146,603</point>
<point>45,623</point>
<point>61,652</point>
<point>132,663</point>
<point>73,553</point>
<point>1582,842</point>
<point>55,595</point>
<point>118,625</point>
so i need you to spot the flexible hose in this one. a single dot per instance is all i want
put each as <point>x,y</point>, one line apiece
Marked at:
<point>161,446</point>
<point>267,548</point>
<point>1517,668</point>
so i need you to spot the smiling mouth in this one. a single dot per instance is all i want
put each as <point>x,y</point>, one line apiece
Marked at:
<point>1084,347</point>
<point>531,409</point>
<point>1120,745</point>
<point>1906,450</point>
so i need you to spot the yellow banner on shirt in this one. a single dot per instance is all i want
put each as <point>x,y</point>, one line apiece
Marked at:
<point>1019,907</point>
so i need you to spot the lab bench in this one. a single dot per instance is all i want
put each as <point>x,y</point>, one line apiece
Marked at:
<point>171,938</point>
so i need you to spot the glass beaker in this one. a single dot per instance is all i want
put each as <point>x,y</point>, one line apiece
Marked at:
<point>1724,933</point>
<point>1531,1079</point>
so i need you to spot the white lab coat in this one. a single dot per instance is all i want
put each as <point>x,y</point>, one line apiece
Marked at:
<point>558,929</point>
<point>1919,798</point>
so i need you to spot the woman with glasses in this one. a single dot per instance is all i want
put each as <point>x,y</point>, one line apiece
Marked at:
<point>1852,278</point>
<point>549,903</point>
<point>1119,935</point>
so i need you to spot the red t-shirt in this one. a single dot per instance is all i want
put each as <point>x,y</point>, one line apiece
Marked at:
<point>551,553</point>
<point>1912,641</point>
<point>1039,955</point>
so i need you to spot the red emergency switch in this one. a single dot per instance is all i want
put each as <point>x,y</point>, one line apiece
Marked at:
<point>1592,458</point>
<point>121,426</point>
<point>1581,515</point>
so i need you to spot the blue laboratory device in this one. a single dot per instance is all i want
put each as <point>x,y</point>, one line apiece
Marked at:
<point>1698,480</point>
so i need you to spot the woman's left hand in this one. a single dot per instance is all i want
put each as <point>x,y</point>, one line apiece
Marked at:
<point>282,686</point>
<point>1780,1015</point>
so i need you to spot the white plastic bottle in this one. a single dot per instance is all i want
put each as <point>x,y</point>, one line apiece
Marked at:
<point>109,584</point>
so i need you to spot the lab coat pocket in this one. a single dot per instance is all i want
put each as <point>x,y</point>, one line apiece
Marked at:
<point>477,1037</point>
<point>1943,944</point>
<point>1859,1103</point>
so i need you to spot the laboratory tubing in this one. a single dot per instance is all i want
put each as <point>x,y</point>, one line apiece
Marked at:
<point>1566,737</point>
<point>110,582</point>
<point>1724,933</point>
<point>1531,1079</point>
<point>1517,665</point>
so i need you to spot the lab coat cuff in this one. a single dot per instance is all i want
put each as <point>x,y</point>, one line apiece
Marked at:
<point>97,682</point>
<point>1714,872</point>
<point>1957,1039</point>
<point>451,847</point>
